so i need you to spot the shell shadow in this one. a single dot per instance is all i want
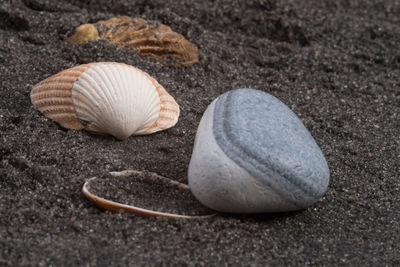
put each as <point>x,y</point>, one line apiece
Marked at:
<point>262,217</point>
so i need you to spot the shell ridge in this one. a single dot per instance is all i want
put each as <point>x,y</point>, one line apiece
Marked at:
<point>46,96</point>
<point>89,95</point>
<point>137,83</point>
<point>167,104</point>
<point>118,75</point>
<point>109,85</point>
<point>100,89</point>
<point>60,101</point>
<point>85,108</point>
<point>128,82</point>
<point>61,79</point>
<point>118,71</point>
<point>156,110</point>
<point>152,103</point>
<point>157,86</point>
<point>85,95</point>
<point>117,79</point>
<point>155,102</point>
<point>130,91</point>
<point>94,75</point>
<point>148,91</point>
<point>59,109</point>
<point>50,87</point>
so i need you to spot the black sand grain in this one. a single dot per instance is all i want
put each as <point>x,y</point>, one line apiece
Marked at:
<point>336,64</point>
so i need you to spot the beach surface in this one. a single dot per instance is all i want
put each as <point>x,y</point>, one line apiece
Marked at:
<point>336,64</point>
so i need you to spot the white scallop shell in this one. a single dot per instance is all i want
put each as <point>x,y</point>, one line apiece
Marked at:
<point>112,98</point>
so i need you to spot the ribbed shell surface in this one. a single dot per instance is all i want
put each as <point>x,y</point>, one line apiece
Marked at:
<point>112,98</point>
<point>52,97</point>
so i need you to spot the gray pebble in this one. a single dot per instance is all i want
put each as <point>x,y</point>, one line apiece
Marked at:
<point>253,154</point>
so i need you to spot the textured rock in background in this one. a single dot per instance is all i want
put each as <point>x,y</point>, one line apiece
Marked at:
<point>253,154</point>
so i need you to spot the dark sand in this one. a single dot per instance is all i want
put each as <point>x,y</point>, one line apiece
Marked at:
<point>335,63</point>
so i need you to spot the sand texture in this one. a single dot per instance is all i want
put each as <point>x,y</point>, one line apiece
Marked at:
<point>336,64</point>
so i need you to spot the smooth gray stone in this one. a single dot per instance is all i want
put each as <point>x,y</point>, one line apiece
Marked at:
<point>253,154</point>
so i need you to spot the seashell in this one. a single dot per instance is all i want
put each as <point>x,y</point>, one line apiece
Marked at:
<point>151,39</point>
<point>106,97</point>
<point>114,206</point>
<point>253,154</point>
<point>83,34</point>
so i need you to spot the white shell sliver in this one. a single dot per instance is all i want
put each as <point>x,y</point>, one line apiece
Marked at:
<point>116,99</point>
<point>106,97</point>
